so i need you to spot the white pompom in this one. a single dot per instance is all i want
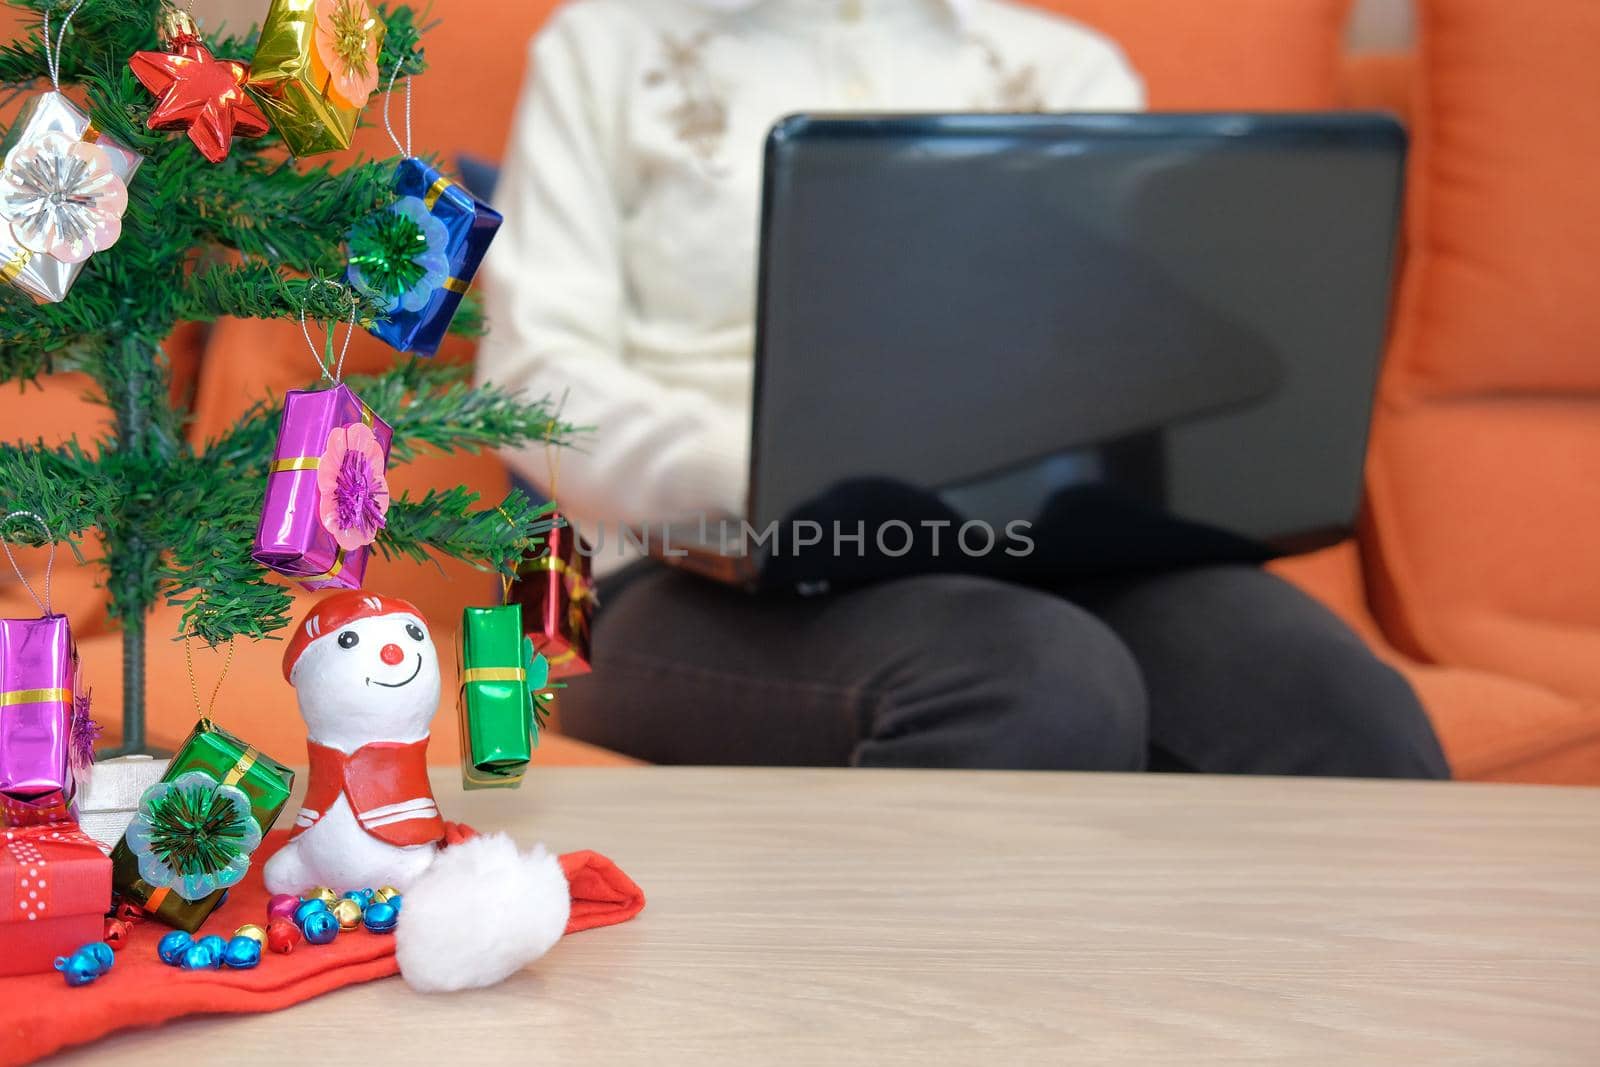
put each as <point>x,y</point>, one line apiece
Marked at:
<point>479,914</point>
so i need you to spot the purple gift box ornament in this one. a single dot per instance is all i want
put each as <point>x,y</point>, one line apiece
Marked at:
<point>39,683</point>
<point>327,489</point>
<point>327,485</point>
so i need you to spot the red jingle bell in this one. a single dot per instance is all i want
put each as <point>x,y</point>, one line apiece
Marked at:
<point>131,914</point>
<point>116,934</point>
<point>282,935</point>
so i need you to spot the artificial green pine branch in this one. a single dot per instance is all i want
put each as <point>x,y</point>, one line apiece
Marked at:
<point>271,209</point>
<point>446,521</point>
<point>62,485</point>
<point>257,290</point>
<point>434,406</point>
<point>100,27</point>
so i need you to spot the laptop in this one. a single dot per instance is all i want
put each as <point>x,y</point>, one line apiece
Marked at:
<point>1044,347</point>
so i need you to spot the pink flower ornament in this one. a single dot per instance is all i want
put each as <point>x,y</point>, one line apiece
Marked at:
<point>62,198</point>
<point>352,486</point>
<point>346,43</point>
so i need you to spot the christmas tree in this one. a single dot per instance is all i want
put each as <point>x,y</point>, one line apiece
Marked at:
<point>256,233</point>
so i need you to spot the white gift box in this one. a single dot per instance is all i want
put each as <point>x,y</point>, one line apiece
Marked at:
<point>42,277</point>
<point>110,794</point>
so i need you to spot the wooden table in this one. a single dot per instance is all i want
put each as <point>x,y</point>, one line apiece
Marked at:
<point>842,917</point>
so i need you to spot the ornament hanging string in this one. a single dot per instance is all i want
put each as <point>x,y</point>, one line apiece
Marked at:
<point>194,687</point>
<point>324,358</point>
<point>49,563</point>
<point>52,53</point>
<point>506,580</point>
<point>403,149</point>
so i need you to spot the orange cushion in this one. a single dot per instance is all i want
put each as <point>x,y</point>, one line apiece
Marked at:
<point>1225,54</point>
<point>1481,475</point>
<point>1505,217</point>
<point>1378,81</point>
<point>1493,727</point>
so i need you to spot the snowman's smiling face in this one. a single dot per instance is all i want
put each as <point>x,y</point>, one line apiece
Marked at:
<point>393,655</point>
<point>374,679</point>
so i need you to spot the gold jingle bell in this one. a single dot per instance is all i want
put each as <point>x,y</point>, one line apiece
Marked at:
<point>253,932</point>
<point>348,912</point>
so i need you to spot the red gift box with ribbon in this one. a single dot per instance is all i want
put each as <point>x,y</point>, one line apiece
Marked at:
<point>55,888</point>
<point>557,597</point>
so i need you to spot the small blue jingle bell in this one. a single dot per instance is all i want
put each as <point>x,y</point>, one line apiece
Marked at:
<point>320,927</point>
<point>102,954</point>
<point>199,957</point>
<point>172,946</point>
<point>78,969</point>
<point>307,909</point>
<point>381,916</point>
<point>361,896</point>
<point>242,953</point>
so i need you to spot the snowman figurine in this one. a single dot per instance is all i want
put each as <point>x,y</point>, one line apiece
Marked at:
<point>366,674</point>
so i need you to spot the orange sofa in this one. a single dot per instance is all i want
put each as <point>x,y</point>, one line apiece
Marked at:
<point>1431,582</point>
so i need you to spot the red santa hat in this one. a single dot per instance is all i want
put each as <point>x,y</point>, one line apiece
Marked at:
<point>334,612</point>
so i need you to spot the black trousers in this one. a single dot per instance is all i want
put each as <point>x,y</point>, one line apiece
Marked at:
<point>1219,669</point>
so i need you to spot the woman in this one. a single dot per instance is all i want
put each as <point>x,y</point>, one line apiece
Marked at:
<point>623,280</point>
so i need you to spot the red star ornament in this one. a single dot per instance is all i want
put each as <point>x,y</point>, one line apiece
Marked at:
<point>200,92</point>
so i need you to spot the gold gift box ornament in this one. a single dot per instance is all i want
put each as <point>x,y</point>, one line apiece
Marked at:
<point>314,69</point>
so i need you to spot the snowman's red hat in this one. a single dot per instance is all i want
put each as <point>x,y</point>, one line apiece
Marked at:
<point>336,611</point>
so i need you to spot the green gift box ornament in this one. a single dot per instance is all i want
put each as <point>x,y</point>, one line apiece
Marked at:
<point>503,697</point>
<point>195,831</point>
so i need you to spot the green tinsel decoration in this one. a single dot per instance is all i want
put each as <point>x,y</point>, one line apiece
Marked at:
<point>385,246</point>
<point>196,830</point>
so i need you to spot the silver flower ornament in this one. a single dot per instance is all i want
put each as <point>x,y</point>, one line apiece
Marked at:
<point>62,197</point>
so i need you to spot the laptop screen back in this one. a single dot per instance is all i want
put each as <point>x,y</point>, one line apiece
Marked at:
<point>1153,338</point>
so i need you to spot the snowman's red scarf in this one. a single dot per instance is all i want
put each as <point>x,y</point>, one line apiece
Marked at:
<point>386,785</point>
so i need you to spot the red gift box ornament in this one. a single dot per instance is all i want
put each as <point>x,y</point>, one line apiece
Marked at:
<point>55,887</point>
<point>558,600</point>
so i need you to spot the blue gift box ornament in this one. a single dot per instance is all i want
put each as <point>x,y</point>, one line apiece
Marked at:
<point>419,254</point>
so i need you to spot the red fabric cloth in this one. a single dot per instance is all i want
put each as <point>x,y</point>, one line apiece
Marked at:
<point>40,1013</point>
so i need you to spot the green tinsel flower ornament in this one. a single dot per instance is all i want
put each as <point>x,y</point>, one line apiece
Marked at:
<point>193,835</point>
<point>399,255</point>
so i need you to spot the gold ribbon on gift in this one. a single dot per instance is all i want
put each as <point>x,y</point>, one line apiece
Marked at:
<point>331,572</point>
<point>311,463</point>
<point>579,588</point>
<point>12,268</point>
<point>494,674</point>
<point>435,191</point>
<point>14,697</point>
<point>242,766</point>
<point>455,285</point>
